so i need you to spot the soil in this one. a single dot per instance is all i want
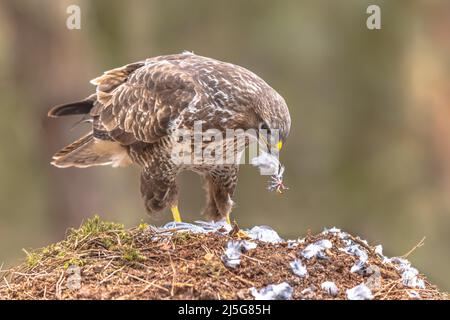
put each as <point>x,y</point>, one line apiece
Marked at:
<point>102,260</point>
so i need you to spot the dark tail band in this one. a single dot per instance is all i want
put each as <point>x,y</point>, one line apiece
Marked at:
<point>74,108</point>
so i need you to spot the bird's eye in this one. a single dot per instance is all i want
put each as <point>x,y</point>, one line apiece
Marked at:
<point>264,126</point>
<point>265,136</point>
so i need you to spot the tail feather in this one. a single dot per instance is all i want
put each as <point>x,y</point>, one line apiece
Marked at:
<point>74,108</point>
<point>89,151</point>
<point>73,146</point>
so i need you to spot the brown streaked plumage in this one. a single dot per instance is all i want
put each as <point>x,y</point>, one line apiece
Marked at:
<point>137,108</point>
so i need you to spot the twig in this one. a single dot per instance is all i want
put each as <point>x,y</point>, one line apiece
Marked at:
<point>421,243</point>
<point>149,283</point>
<point>58,286</point>
<point>30,274</point>
<point>361,243</point>
<point>146,288</point>
<point>110,275</point>
<point>108,264</point>
<point>7,284</point>
<point>174,274</point>
<point>242,279</point>
<point>389,291</point>
<point>253,259</point>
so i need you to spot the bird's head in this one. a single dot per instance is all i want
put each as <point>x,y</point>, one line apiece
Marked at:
<point>275,123</point>
<point>272,137</point>
<point>273,130</point>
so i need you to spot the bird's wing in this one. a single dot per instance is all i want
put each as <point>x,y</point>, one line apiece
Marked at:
<point>141,101</point>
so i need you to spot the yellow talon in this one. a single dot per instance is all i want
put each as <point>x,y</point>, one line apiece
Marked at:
<point>176,214</point>
<point>241,234</point>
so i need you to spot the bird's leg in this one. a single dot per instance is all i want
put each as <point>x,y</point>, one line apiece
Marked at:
<point>159,192</point>
<point>175,213</point>
<point>219,202</point>
<point>228,219</point>
<point>211,210</point>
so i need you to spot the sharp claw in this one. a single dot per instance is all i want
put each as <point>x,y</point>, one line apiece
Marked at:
<point>236,232</point>
<point>242,235</point>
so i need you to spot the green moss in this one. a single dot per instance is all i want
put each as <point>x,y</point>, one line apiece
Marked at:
<point>95,226</point>
<point>55,250</point>
<point>91,234</point>
<point>125,237</point>
<point>74,262</point>
<point>212,267</point>
<point>182,237</point>
<point>142,226</point>
<point>61,254</point>
<point>108,243</point>
<point>32,259</point>
<point>132,255</point>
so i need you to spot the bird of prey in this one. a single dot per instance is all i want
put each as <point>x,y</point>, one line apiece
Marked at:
<point>137,109</point>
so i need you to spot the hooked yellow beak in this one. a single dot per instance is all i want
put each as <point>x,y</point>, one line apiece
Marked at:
<point>279,145</point>
<point>264,140</point>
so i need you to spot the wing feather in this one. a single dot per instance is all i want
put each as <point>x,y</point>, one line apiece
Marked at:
<point>143,99</point>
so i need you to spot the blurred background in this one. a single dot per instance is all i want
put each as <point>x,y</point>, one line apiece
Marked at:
<point>369,149</point>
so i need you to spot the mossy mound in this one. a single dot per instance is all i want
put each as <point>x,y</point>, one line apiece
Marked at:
<point>102,260</point>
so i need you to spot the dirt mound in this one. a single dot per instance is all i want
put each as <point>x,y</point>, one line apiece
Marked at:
<point>102,260</point>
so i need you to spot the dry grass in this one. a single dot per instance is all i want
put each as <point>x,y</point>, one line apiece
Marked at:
<point>114,263</point>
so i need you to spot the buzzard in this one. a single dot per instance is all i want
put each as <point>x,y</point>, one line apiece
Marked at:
<point>137,110</point>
